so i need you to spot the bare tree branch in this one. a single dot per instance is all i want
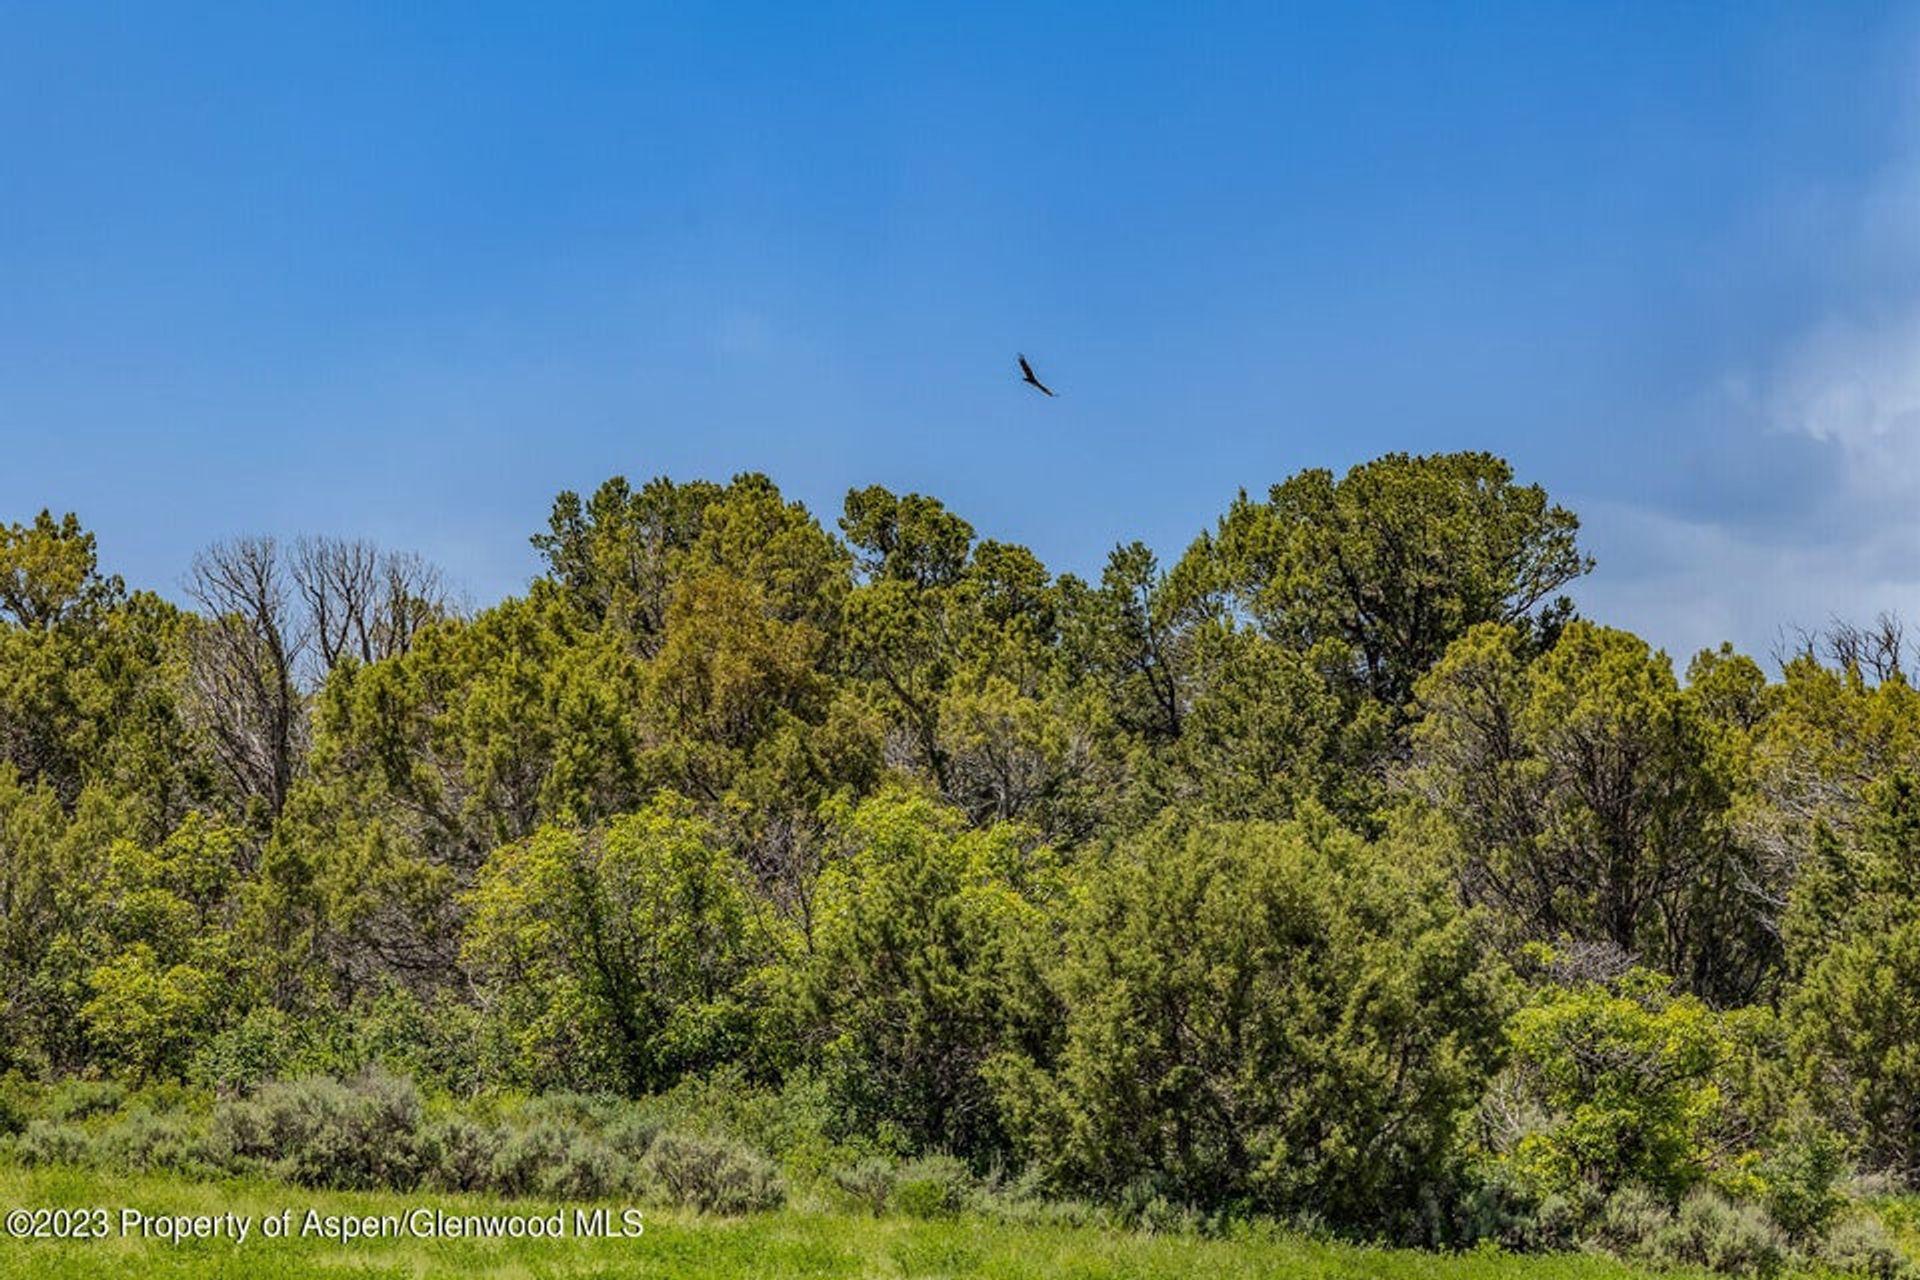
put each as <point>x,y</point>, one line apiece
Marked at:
<point>362,603</point>
<point>243,672</point>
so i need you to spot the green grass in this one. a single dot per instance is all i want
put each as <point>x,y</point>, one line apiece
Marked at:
<point>792,1243</point>
<point>1901,1216</point>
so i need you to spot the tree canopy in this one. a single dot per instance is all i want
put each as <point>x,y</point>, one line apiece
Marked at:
<point>1333,867</point>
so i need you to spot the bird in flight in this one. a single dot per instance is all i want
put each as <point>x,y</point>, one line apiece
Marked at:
<point>1026,375</point>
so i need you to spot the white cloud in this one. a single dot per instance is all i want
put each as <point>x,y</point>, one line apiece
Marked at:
<point>1814,513</point>
<point>1751,572</point>
<point>1855,385</point>
<point>1688,585</point>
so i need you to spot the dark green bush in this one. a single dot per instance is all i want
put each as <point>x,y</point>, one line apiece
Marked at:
<point>79,1099</point>
<point>918,970</point>
<point>1276,1018</point>
<point>1802,1174</point>
<point>801,1123</point>
<point>932,1187</point>
<point>15,1105</point>
<point>244,1056</point>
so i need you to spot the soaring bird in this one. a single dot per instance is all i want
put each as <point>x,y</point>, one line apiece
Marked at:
<point>1026,376</point>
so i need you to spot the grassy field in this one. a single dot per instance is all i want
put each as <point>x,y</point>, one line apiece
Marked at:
<point>792,1243</point>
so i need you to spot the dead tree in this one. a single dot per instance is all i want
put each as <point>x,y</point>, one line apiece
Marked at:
<point>363,603</point>
<point>244,667</point>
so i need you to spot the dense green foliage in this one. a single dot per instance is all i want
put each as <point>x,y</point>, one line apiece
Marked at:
<point>1274,1015</point>
<point>1337,872</point>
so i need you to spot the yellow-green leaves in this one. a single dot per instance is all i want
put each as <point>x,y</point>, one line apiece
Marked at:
<point>1627,1078</point>
<point>927,943</point>
<point>621,953</point>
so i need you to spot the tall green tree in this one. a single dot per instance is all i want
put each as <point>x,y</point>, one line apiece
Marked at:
<point>960,644</point>
<point>90,679</point>
<point>1581,787</point>
<point>616,554</point>
<point>1853,937</point>
<point>1394,561</point>
<point>1280,1017</point>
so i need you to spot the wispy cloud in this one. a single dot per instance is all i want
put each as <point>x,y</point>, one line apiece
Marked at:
<point>1853,384</point>
<point>1689,584</point>
<point>1806,505</point>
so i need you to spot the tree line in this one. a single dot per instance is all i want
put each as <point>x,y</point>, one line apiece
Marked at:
<point>1337,869</point>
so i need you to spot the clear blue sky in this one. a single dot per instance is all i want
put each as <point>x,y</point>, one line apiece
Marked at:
<point>406,271</point>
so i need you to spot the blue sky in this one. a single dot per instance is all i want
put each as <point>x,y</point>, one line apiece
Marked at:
<point>406,271</point>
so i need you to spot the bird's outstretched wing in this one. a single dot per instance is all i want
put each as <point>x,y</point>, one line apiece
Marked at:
<point>1026,375</point>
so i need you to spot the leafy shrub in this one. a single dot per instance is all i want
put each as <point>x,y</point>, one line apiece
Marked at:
<point>1802,1179</point>
<point>587,1170</point>
<point>146,1013</point>
<point>318,1132</point>
<point>528,1157</point>
<point>52,1142</point>
<point>713,1175</point>
<point>80,1099</point>
<point>457,1154</point>
<point>932,1187</point>
<point>254,1050</point>
<point>143,1141</point>
<point>917,967</point>
<point>15,1109</point>
<point>437,1044</point>
<point>804,1124</point>
<point>868,1181</point>
<point>1861,1246</point>
<point>1624,1070</point>
<point>1631,1222</point>
<point>1714,1232</point>
<point>1245,1001</point>
<point>558,920</point>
